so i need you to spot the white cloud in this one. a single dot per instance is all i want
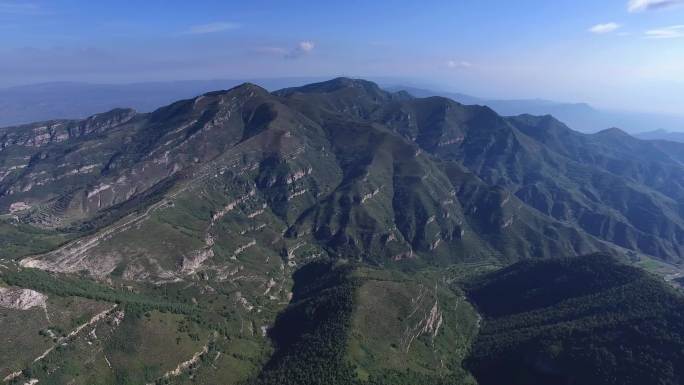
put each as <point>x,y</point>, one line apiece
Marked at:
<point>302,48</point>
<point>604,28</point>
<point>459,64</point>
<point>306,46</point>
<point>212,28</point>
<point>649,5</point>
<point>671,32</point>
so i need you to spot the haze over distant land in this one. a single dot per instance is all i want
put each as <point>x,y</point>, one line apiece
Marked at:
<point>662,135</point>
<point>579,116</point>
<point>68,100</point>
<point>57,100</point>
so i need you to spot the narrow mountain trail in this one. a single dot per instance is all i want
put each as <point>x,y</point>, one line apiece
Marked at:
<point>94,320</point>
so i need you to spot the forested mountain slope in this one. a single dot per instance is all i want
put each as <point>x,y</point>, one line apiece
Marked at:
<point>251,233</point>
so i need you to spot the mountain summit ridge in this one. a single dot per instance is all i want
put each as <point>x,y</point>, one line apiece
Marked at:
<point>336,162</point>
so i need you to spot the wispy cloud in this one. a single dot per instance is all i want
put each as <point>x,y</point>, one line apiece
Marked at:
<point>270,50</point>
<point>604,28</point>
<point>458,64</point>
<point>19,8</point>
<point>649,5</point>
<point>212,28</point>
<point>302,48</point>
<point>671,32</point>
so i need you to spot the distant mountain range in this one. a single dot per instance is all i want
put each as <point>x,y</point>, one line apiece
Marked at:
<point>578,116</point>
<point>661,135</point>
<point>31,103</point>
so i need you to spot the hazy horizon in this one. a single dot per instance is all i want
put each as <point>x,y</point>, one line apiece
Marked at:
<point>620,54</point>
<point>292,81</point>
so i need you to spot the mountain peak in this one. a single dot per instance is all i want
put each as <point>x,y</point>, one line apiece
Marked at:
<point>344,82</point>
<point>244,88</point>
<point>614,132</point>
<point>335,85</point>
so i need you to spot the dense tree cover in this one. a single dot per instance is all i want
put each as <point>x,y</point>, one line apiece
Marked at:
<point>311,334</point>
<point>65,286</point>
<point>590,320</point>
<point>545,283</point>
<point>408,377</point>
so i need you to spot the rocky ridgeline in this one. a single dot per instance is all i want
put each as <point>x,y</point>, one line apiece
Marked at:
<point>41,134</point>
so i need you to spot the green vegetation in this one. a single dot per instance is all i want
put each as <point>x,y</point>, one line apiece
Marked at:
<point>397,216</point>
<point>137,204</point>
<point>18,239</point>
<point>66,285</point>
<point>311,334</point>
<point>28,333</point>
<point>158,328</point>
<point>349,324</point>
<point>406,326</point>
<point>589,320</point>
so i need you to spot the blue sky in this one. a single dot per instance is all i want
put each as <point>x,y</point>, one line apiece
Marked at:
<point>624,54</point>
